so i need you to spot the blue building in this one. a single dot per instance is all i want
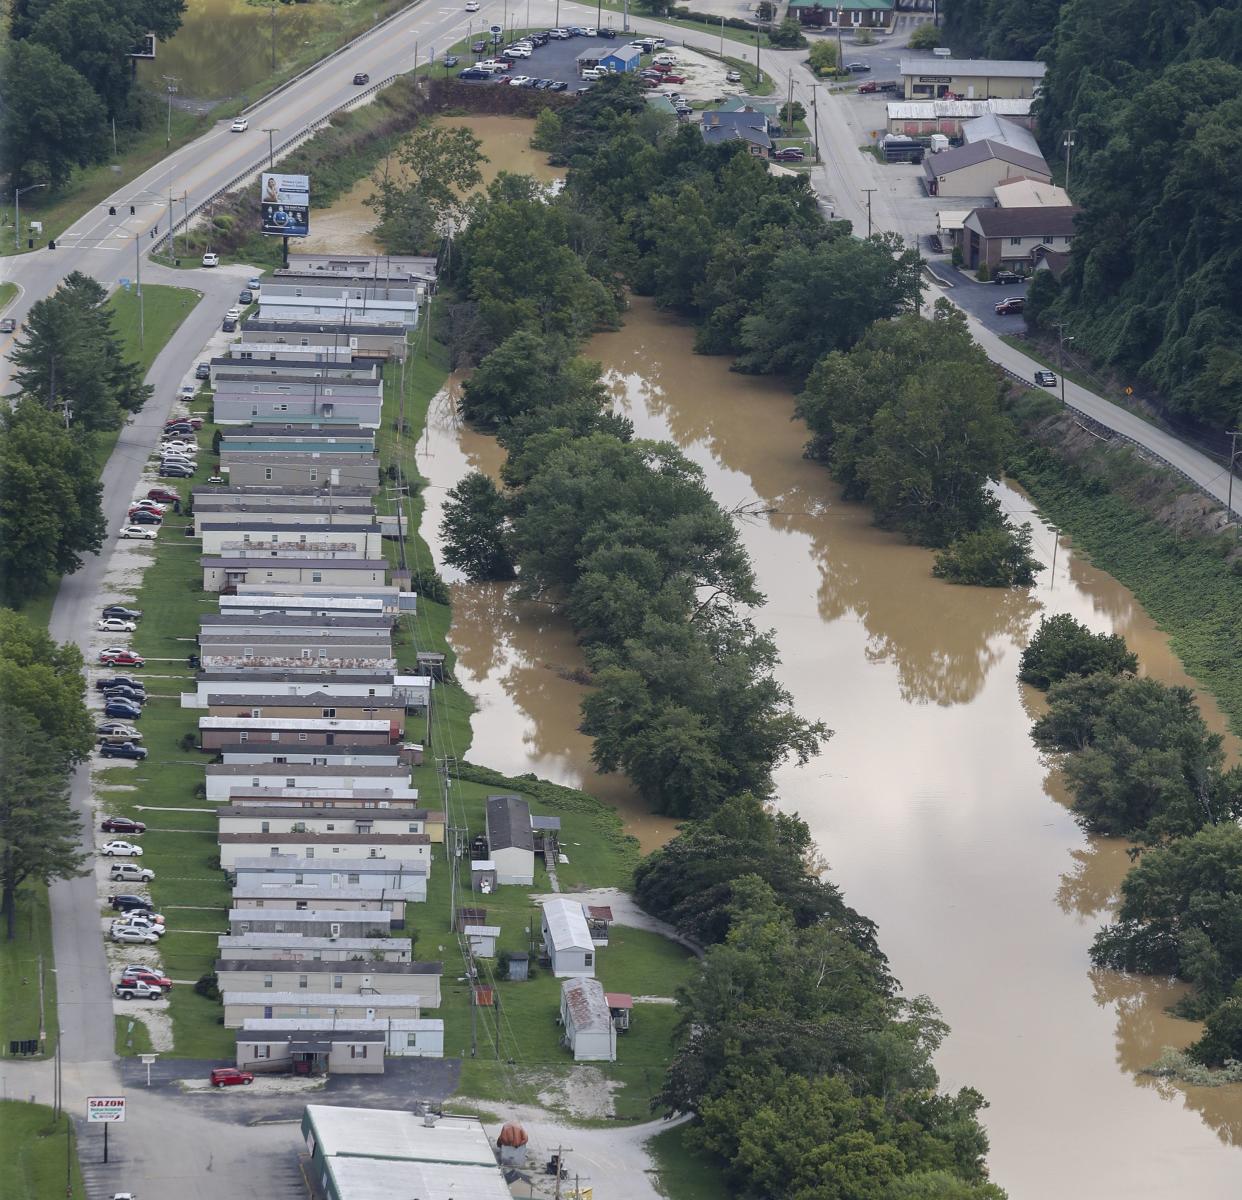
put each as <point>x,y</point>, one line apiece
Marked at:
<point>624,58</point>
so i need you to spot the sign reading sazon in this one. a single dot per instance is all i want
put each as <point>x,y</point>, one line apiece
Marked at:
<point>105,1108</point>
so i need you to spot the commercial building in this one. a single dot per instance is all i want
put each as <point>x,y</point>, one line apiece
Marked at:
<point>934,78</point>
<point>855,14</point>
<point>976,168</point>
<point>921,118</point>
<point>1016,237</point>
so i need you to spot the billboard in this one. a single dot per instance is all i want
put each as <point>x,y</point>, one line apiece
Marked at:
<point>285,202</point>
<point>145,48</point>
<point>105,1108</point>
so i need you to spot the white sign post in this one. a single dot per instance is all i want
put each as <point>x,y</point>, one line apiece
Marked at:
<point>107,1110</point>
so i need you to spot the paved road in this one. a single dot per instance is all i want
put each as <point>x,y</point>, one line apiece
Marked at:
<point>84,1000</point>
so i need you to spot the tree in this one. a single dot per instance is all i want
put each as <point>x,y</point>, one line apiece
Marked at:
<point>823,57</point>
<point>1075,704</point>
<point>792,113</point>
<point>426,197</point>
<point>49,501</point>
<point>50,119</point>
<point>995,556</point>
<point>1180,915</point>
<point>925,37</point>
<point>691,880</point>
<point>473,530</point>
<point>1063,647</point>
<point>788,34</point>
<point>39,830</point>
<point>43,680</point>
<point>71,359</point>
<point>548,130</point>
<point>1221,1041</point>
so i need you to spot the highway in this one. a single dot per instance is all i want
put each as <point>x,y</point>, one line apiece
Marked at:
<point>106,247</point>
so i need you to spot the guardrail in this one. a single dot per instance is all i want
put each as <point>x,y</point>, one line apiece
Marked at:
<point>257,167</point>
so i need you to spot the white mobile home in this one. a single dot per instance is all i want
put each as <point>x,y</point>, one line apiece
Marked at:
<point>297,947</point>
<point>567,938</point>
<point>589,1032</point>
<point>510,841</point>
<point>241,1006</point>
<point>224,778</point>
<point>408,847</point>
<point>421,1037</point>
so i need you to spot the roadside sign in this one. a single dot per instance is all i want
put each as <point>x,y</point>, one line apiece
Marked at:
<point>285,204</point>
<point>496,28</point>
<point>124,283</point>
<point>105,1108</point>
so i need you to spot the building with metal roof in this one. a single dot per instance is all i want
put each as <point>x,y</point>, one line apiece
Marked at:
<point>590,1034</point>
<point>510,841</point>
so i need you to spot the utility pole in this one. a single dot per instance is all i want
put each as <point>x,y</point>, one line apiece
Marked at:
<point>273,36</point>
<point>138,285</point>
<point>271,146</point>
<point>1061,340</point>
<point>815,119</point>
<point>1067,140</point>
<point>17,215</point>
<point>869,191</point>
<point>170,84</point>
<point>840,48</point>
<point>1233,458</point>
<point>757,30</point>
<point>722,20</point>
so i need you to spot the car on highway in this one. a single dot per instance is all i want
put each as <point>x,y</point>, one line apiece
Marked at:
<point>360,78</point>
<point>1045,379</point>
<point>124,750</point>
<point>141,533</point>
<point>119,656</point>
<point>115,625</point>
<point>120,849</point>
<point>130,873</point>
<point>858,67</point>
<point>239,126</point>
<point>163,495</point>
<point>122,825</point>
<point>120,610</point>
<point>211,259</point>
<point>130,933</point>
<point>1006,277</point>
<point>229,1076</point>
<point>472,5</point>
<point>1010,305</point>
<point>7,325</point>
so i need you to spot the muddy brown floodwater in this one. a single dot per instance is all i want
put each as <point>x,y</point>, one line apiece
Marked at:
<point>346,225</point>
<point>937,816</point>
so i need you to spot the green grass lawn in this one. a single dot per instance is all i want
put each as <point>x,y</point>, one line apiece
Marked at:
<point>19,971</point>
<point>683,1173</point>
<point>132,1036</point>
<point>7,292</point>
<point>38,1154</point>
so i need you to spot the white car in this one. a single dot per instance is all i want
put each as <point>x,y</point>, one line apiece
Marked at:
<point>141,533</point>
<point>591,31</point>
<point>116,625</point>
<point>233,314</point>
<point>472,5</point>
<point>120,850</point>
<point>518,81</point>
<point>239,126</point>
<point>593,73</point>
<point>211,259</point>
<point>122,926</point>
<point>130,873</point>
<point>130,934</point>
<point>153,506</point>
<point>520,51</point>
<point>176,444</point>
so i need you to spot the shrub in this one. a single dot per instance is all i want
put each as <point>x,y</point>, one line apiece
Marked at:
<point>1063,647</point>
<point>925,37</point>
<point>788,34</point>
<point>428,584</point>
<point>998,556</point>
<point>1221,1042</point>
<point>864,37</point>
<point>188,741</point>
<point>208,985</point>
<point>984,273</point>
<point>823,58</point>
<point>792,112</point>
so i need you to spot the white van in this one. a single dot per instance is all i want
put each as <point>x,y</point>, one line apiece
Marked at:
<point>593,73</point>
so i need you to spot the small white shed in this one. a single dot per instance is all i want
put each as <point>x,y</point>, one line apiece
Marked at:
<point>567,939</point>
<point>482,939</point>
<point>589,1032</point>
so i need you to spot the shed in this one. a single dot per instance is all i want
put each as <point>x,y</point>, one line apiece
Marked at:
<point>483,876</point>
<point>590,1034</point>
<point>566,938</point>
<point>482,939</point>
<point>519,968</point>
<point>623,59</point>
<point>511,845</point>
<point>620,1004</point>
<point>470,916</point>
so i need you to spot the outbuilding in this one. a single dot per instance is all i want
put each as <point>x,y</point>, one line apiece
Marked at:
<point>590,1034</point>
<point>482,939</point>
<point>510,840</point>
<point>622,60</point>
<point>567,939</point>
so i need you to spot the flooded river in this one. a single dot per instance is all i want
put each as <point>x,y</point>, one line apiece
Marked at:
<point>937,816</point>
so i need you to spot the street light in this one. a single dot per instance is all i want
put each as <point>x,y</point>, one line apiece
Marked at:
<point>271,152</point>
<point>170,83</point>
<point>1062,338</point>
<point>17,212</point>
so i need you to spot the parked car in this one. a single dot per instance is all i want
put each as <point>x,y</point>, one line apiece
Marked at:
<point>521,81</point>
<point>239,126</point>
<point>474,73</point>
<point>123,691</point>
<point>124,750</point>
<point>7,324</point>
<point>145,518</point>
<point>122,710</point>
<point>139,532</point>
<point>789,154</point>
<point>1045,379</point>
<point>1010,305</point>
<point>124,903</point>
<point>136,989</point>
<point>593,73</point>
<point>119,849</point>
<point>173,471</point>
<point>103,684</point>
<point>150,978</point>
<point>163,495</point>
<point>607,32</point>
<point>119,656</point>
<point>888,85</point>
<point>178,442</point>
<point>450,60</point>
<point>1006,277</point>
<point>152,506</point>
<point>868,87</point>
<point>245,296</point>
<point>858,67</point>
<point>478,47</point>
<point>734,77</point>
<point>211,259</point>
<point>117,729</point>
<point>202,371</point>
<point>122,825</point>
<point>228,1076</point>
<point>228,325</point>
<point>934,244</point>
<point>361,78</point>
<point>254,284</point>
<point>472,5</point>
<point>130,873</point>
<point>559,86</point>
<point>120,610</point>
<point>671,78</point>
<point>191,420</point>
<point>128,933</point>
<point>115,624</point>
<point>138,920</point>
